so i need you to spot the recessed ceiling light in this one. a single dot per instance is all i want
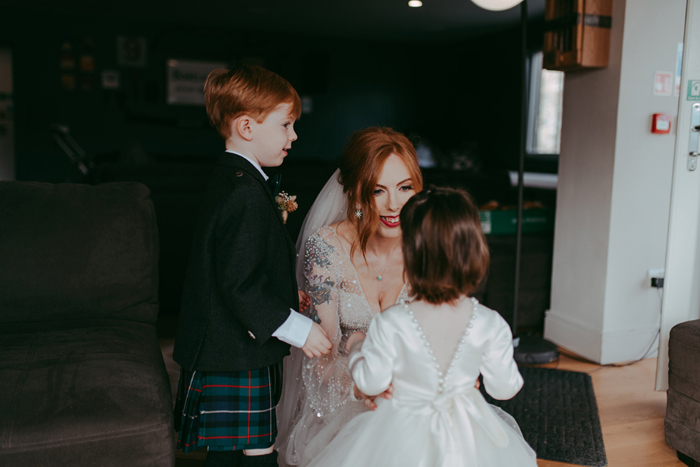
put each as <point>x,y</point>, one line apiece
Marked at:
<point>415,3</point>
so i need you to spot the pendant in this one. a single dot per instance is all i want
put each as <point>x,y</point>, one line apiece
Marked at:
<point>379,278</point>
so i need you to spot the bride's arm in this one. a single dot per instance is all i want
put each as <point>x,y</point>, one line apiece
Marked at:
<point>321,287</point>
<point>321,282</point>
<point>324,308</point>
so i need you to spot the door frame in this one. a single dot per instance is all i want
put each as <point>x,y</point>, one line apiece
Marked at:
<point>681,292</point>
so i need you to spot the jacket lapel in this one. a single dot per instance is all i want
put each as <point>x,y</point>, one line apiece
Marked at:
<point>239,163</point>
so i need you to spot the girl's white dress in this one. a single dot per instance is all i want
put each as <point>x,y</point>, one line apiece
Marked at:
<point>436,416</point>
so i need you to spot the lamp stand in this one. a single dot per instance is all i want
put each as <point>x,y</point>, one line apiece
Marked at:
<point>528,349</point>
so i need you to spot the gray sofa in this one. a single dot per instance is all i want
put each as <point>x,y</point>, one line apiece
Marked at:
<point>82,378</point>
<point>682,423</point>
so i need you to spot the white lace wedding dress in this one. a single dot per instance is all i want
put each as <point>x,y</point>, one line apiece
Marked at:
<point>321,396</point>
<point>436,417</point>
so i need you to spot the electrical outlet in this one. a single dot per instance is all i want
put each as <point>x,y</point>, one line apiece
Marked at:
<point>659,273</point>
<point>656,277</point>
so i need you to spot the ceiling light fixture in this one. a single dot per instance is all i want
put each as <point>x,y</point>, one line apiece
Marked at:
<point>415,3</point>
<point>496,5</point>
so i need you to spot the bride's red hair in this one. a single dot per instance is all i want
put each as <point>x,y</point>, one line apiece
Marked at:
<point>360,164</point>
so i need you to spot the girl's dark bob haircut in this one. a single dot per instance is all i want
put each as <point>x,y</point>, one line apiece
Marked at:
<point>444,250</point>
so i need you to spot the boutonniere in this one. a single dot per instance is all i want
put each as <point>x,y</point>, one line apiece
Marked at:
<point>286,203</point>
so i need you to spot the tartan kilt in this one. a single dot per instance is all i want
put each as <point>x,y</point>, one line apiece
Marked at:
<point>228,410</point>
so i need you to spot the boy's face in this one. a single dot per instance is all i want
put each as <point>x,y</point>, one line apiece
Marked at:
<point>273,137</point>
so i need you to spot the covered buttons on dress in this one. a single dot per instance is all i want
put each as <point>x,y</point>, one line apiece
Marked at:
<point>443,378</point>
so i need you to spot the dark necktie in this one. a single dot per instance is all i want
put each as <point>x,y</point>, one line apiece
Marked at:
<point>274,183</point>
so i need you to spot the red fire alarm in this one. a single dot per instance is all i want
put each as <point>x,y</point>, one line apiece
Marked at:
<point>661,123</point>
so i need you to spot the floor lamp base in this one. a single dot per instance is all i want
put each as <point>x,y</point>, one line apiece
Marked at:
<point>533,350</point>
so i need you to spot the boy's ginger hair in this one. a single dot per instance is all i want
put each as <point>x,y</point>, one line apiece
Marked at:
<point>246,90</point>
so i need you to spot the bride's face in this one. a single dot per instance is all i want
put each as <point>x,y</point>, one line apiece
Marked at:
<point>394,187</point>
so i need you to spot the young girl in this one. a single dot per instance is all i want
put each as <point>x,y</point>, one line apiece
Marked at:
<point>431,351</point>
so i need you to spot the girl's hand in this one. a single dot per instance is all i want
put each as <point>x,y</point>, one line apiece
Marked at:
<point>369,400</point>
<point>304,301</point>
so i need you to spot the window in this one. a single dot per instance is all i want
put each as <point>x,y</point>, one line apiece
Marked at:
<point>545,108</point>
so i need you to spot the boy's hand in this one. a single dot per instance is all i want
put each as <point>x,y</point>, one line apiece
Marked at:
<point>317,343</point>
<point>304,301</point>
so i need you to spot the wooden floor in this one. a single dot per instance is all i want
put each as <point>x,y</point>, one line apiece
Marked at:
<point>631,412</point>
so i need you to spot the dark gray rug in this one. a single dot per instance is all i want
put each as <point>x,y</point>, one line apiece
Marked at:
<point>557,413</point>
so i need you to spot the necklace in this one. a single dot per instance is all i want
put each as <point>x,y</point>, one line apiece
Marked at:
<point>388,257</point>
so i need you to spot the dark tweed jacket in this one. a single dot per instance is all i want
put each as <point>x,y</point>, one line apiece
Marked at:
<point>240,281</point>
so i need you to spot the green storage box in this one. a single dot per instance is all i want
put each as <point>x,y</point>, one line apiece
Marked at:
<point>503,222</point>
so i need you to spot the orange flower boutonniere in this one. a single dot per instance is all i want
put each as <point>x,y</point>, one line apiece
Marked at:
<point>286,203</point>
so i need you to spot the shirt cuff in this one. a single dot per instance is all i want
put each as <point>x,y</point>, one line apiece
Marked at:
<point>295,330</point>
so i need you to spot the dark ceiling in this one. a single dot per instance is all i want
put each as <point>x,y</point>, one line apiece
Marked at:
<point>390,20</point>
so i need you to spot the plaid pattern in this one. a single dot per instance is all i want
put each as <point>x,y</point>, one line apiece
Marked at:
<point>227,410</point>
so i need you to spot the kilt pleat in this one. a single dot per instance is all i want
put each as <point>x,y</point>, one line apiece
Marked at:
<point>229,410</point>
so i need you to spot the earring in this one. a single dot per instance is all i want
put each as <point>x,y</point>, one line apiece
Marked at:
<point>358,211</point>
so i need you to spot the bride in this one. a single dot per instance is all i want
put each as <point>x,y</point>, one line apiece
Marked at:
<point>352,269</point>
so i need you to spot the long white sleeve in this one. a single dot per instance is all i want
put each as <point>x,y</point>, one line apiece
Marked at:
<point>371,364</point>
<point>502,380</point>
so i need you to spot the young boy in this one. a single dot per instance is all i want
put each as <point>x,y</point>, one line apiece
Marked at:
<point>240,294</point>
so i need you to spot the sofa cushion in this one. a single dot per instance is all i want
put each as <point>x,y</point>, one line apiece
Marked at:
<point>73,251</point>
<point>682,424</point>
<point>89,392</point>
<point>684,359</point>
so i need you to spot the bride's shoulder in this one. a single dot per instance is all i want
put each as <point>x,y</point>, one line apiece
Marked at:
<point>344,229</point>
<point>337,233</point>
<point>323,241</point>
<point>325,234</point>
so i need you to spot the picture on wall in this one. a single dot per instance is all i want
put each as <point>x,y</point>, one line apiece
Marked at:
<point>186,80</point>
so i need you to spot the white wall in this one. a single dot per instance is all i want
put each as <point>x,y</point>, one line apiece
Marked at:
<point>7,157</point>
<point>614,190</point>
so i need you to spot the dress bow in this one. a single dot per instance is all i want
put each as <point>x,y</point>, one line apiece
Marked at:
<point>459,412</point>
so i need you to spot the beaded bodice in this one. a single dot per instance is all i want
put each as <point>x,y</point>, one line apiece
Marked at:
<point>340,305</point>
<point>333,282</point>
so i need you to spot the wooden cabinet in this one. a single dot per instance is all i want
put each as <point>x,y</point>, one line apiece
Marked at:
<point>577,34</point>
